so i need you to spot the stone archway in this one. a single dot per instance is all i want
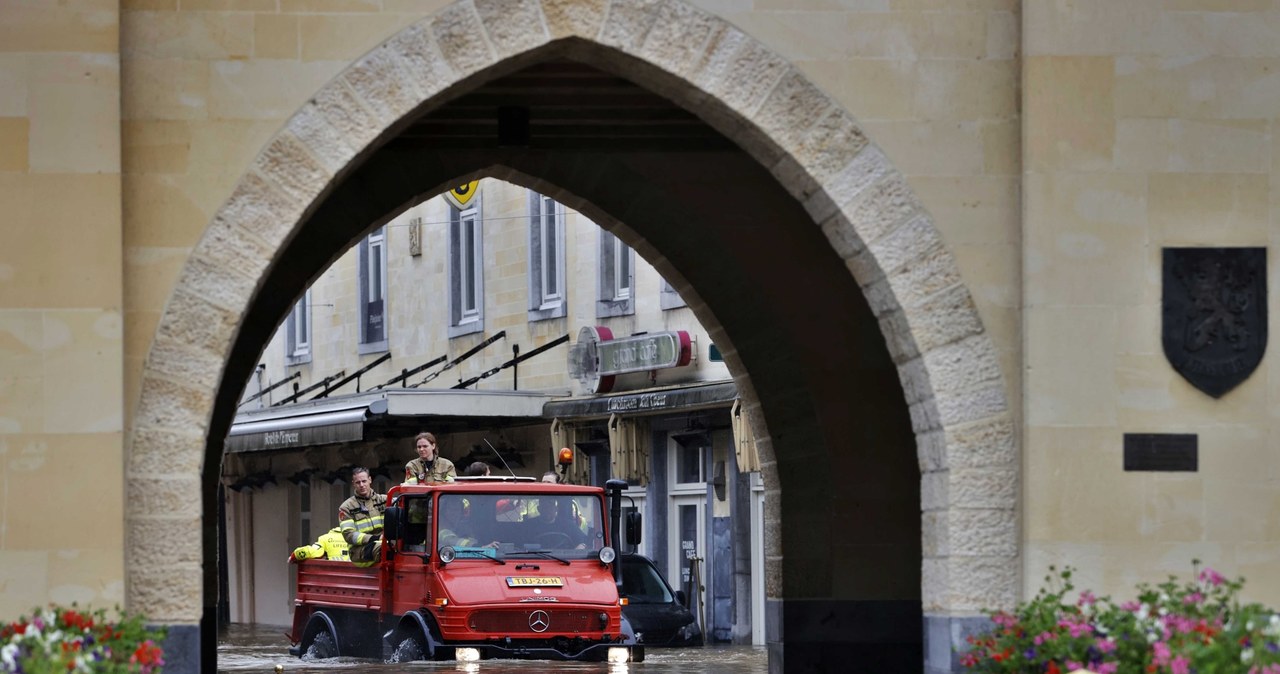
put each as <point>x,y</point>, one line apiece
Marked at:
<point>813,148</point>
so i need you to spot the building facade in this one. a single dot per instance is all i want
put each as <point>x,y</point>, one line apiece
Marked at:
<point>977,196</point>
<point>470,316</point>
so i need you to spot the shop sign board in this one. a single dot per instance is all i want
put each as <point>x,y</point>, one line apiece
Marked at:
<point>597,358</point>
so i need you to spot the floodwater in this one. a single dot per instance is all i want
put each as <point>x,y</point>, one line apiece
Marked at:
<point>243,648</point>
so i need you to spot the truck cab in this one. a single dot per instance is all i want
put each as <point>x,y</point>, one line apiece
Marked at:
<point>473,569</point>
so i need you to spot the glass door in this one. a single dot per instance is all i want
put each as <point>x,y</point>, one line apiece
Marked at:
<point>686,526</point>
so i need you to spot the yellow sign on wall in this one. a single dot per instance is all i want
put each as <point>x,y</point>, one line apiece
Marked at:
<point>462,195</point>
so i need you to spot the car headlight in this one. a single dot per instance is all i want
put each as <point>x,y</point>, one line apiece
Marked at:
<point>688,631</point>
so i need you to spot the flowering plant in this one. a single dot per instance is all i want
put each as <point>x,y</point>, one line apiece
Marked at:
<point>69,640</point>
<point>1197,626</point>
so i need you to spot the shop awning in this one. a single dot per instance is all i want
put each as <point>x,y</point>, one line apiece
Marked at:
<point>348,418</point>
<point>650,401</point>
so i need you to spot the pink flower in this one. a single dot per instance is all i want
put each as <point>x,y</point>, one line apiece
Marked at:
<point>1193,598</point>
<point>1043,637</point>
<point>1105,646</point>
<point>1087,598</point>
<point>1180,666</point>
<point>1211,577</point>
<point>1160,652</point>
<point>1107,667</point>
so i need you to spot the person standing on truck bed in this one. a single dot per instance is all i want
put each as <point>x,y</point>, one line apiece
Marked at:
<point>360,518</point>
<point>429,467</point>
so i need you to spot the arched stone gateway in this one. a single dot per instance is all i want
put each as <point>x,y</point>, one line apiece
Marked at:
<point>330,173</point>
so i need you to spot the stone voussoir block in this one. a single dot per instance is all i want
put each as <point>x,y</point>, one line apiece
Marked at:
<point>908,244</point>
<point>843,237</point>
<point>287,163</point>
<point>321,139</point>
<point>574,18</point>
<point>866,168</point>
<point>678,38</point>
<point>262,208</point>
<point>935,491</point>
<point>981,583</point>
<point>218,286</point>
<point>341,108</point>
<point>831,144</point>
<point>917,384</point>
<point>983,532</point>
<point>966,406</point>
<point>461,38</point>
<point>898,336</point>
<point>934,582</point>
<point>867,273</point>
<point>876,210</point>
<point>192,319</point>
<point>989,487</point>
<point>947,317</point>
<point>159,451</point>
<point>928,273</point>
<point>421,61</point>
<point>935,533</point>
<point>162,502</point>
<point>985,442</point>
<point>513,26</point>
<point>170,592</point>
<point>880,296</point>
<point>187,362</point>
<point>166,404</point>
<point>627,23</point>
<point>381,82</point>
<point>791,110</point>
<point>924,416</point>
<point>931,451</point>
<point>964,365</point>
<point>240,251</point>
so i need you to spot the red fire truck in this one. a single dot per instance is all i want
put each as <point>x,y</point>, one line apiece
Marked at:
<point>480,568</point>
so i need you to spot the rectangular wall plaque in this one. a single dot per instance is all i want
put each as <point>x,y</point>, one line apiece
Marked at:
<point>1161,452</point>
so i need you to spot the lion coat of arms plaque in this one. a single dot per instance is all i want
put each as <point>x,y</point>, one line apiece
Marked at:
<point>1214,308</point>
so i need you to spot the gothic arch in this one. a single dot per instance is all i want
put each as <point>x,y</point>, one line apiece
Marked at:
<point>816,151</point>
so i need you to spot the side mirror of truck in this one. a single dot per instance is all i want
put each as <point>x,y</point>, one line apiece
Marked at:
<point>680,597</point>
<point>634,528</point>
<point>392,519</point>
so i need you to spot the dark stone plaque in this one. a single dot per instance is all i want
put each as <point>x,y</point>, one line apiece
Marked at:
<point>1161,452</point>
<point>1214,308</point>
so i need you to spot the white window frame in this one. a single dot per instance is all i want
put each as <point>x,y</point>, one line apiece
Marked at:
<point>617,277</point>
<point>547,292</point>
<point>373,286</point>
<point>297,349</point>
<point>466,310</point>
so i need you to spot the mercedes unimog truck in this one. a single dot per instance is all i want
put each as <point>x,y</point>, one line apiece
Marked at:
<point>492,567</point>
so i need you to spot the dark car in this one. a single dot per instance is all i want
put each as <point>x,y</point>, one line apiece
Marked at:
<point>658,615</point>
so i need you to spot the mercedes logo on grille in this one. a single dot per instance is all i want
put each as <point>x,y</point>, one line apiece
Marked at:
<point>539,621</point>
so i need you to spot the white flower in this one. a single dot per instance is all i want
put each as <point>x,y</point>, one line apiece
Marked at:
<point>1152,637</point>
<point>1144,611</point>
<point>1246,656</point>
<point>9,656</point>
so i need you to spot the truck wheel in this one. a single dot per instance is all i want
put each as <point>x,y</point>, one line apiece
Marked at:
<point>322,646</point>
<point>409,650</point>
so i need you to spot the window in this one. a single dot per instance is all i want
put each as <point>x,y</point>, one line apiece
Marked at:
<point>670,299</point>
<point>373,292</point>
<point>546,258</point>
<point>298,332</point>
<point>466,272</point>
<point>617,276</point>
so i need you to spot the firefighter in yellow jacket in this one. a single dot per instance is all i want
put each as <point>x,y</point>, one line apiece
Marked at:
<point>331,545</point>
<point>360,518</point>
<point>429,467</point>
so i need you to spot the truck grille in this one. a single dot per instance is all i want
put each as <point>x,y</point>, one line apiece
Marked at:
<point>510,623</point>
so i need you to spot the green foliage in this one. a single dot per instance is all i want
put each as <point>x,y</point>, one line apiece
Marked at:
<point>60,640</point>
<point>1197,626</point>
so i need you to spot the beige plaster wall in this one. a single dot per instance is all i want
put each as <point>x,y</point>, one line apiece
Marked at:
<point>1149,123</point>
<point>61,419</point>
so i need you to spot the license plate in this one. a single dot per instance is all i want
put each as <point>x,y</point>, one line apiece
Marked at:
<point>534,581</point>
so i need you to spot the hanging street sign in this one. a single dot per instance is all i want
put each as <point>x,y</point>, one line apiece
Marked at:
<point>597,358</point>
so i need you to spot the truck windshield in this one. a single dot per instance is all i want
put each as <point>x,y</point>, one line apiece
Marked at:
<point>568,527</point>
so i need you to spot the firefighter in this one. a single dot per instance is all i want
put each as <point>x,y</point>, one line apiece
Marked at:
<point>330,545</point>
<point>429,466</point>
<point>360,518</point>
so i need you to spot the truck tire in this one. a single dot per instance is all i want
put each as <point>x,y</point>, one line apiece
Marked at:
<point>320,640</point>
<point>410,649</point>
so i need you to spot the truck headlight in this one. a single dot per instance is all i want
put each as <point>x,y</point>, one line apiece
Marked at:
<point>618,654</point>
<point>466,654</point>
<point>448,554</point>
<point>607,555</point>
